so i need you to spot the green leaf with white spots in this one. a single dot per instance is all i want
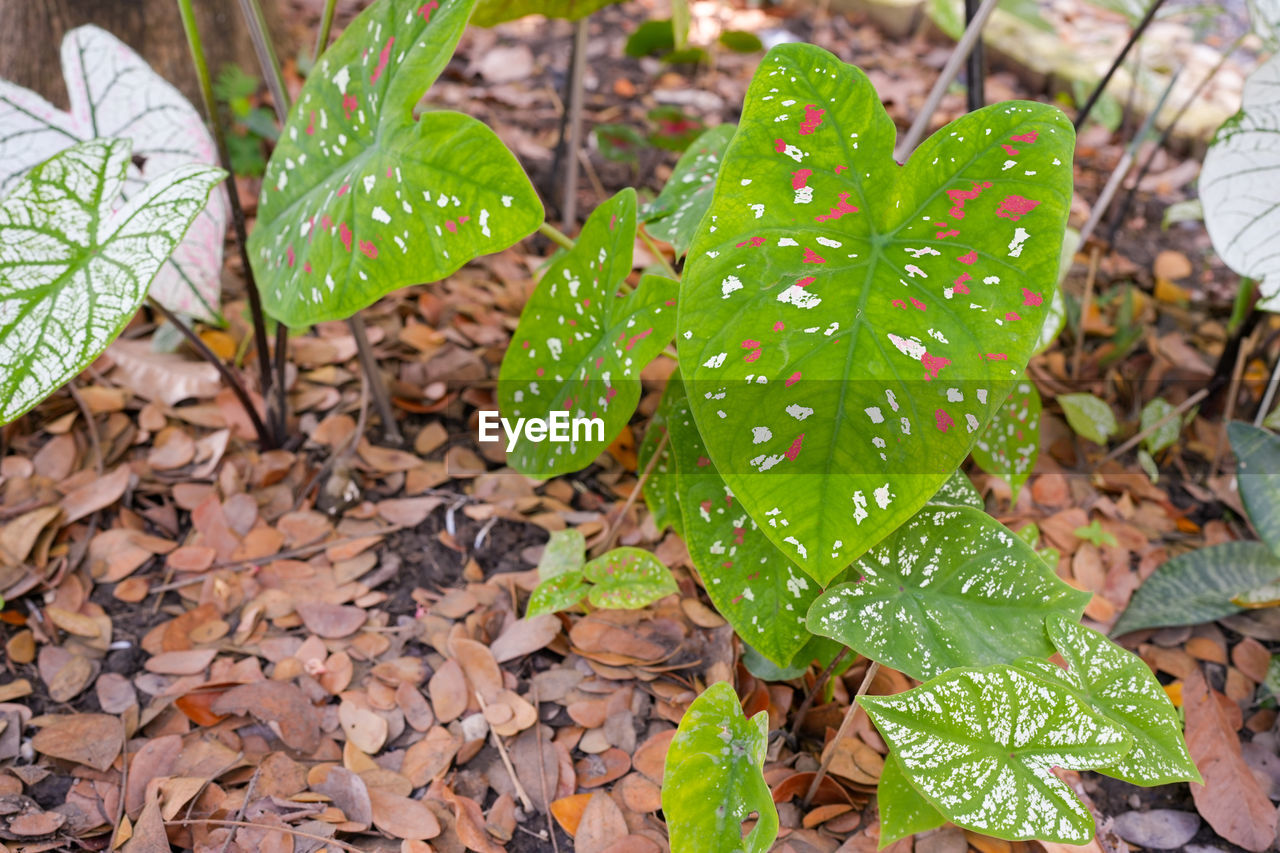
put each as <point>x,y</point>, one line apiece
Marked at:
<point>1165,435</point>
<point>958,491</point>
<point>1119,685</point>
<point>362,197</point>
<point>981,744</point>
<point>627,579</point>
<point>1258,475</point>
<point>1009,445</point>
<point>490,13</point>
<point>564,553</point>
<point>661,489</point>
<point>951,587</point>
<point>557,593</point>
<point>753,585</point>
<point>580,348</point>
<point>848,325</point>
<point>675,214</point>
<point>74,266</point>
<point>1199,586</point>
<point>903,811</point>
<point>714,779</point>
<point>1056,320</point>
<point>1089,416</point>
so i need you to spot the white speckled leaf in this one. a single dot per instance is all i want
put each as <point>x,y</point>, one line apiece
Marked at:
<point>73,268</point>
<point>848,325</point>
<point>1258,475</point>
<point>980,745</point>
<point>714,781</point>
<point>114,93</point>
<point>903,811</point>
<point>951,587</point>
<point>361,197</point>
<point>580,347</point>
<point>1009,445</point>
<point>1240,185</point>
<point>1119,685</point>
<point>675,214</point>
<point>958,491</point>
<point>1089,416</point>
<point>627,579</point>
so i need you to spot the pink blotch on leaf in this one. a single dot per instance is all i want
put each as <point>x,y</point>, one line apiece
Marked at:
<point>369,249</point>
<point>932,364</point>
<point>1010,150</point>
<point>539,372</point>
<point>959,197</point>
<point>383,56</point>
<point>840,169</point>
<point>811,258</point>
<point>525,344</point>
<point>307,266</point>
<point>779,145</point>
<point>959,283</point>
<point>1032,299</point>
<point>638,338</point>
<point>349,106</point>
<point>610,394</point>
<point>838,211</point>
<point>792,379</point>
<point>943,420</point>
<point>918,304</point>
<point>779,326</point>
<point>752,356</point>
<point>1028,138</point>
<point>997,356</point>
<point>344,234</point>
<point>738,534</point>
<point>750,344</point>
<point>794,450</point>
<point>1015,207</point>
<point>971,257</point>
<point>806,281</point>
<point>703,462</point>
<point>812,118</point>
<point>289,254</point>
<point>799,178</point>
<point>426,9</point>
<point>451,226</point>
<point>1012,316</point>
<point>942,235</point>
<point>311,125</point>
<point>899,304</point>
<point>343,190</point>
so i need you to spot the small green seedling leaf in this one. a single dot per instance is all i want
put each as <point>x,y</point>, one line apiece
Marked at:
<point>713,785</point>
<point>564,553</point>
<point>490,13</point>
<point>1119,685</point>
<point>627,579</point>
<point>1165,435</point>
<point>1258,475</point>
<point>848,325</point>
<point>1089,416</point>
<point>558,593</point>
<point>958,491</point>
<point>741,41</point>
<point>980,745</point>
<point>580,348</point>
<point>1094,534</point>
<point>1008,447</point>
<point>675,214</point>
<point>1199,586</point>
<point>951,587</point>
<point>903,811</point>
<point>620,143</point>
<point>362,196</point>
<point>651,38</point>
<point>672,128</point>
<point>74,268</point>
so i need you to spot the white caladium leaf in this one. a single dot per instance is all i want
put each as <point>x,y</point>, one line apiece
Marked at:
<point>114,93</point>
<point>981,745</point>
<point>1240,185</point>
<point>903,811</point>
<point>74,268</point>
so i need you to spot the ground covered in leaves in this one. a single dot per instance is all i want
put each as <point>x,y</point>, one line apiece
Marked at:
<point>317,647</point>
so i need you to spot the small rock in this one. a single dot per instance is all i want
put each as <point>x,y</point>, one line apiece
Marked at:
<point>1162,829</point>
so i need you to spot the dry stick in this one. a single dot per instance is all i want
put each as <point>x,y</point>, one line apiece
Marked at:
<point>1176,412</point>
<point>1085,303</point>
<point>1116,63</point>
<point>948,73</point>
<point>817,688</point>
<point>612,536</point>
<point>236,386</point>
<point>506,759</point>
<point>244,804</point>
<point>1233,390</point>
<point>1269,396</point>
<point>847,723</point>
<point>90,425</point>
<point>377,386</point>
<point>287,830</point>
<point>975,70</point>
<point>569,204</point>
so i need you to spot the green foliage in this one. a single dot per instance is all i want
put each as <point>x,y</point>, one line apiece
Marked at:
<point>661,490</point>
<point>250,126</point>
<point>74,268</point>
<point>490,13</point>
<point>622,579</point>
<point>958,491</point>
<point>903,811</point>
<point>1008,447</point>
<point>620,143</point>
<point>361,196</point>
<point>1167,434</point>
<point>675,214</point>
<point>579,348</point>
<point>951,587</point>
<point>1089,416</point>
<point>740,41</point>
<point>1258,475</point>
<point>673,129</point>
<point>712,784</point>
<point>653,37</point>
<point>1001,731</point>
<point>1093,533</point>
<point>846,325</point>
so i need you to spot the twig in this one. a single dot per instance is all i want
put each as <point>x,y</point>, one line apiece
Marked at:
<point>1085,303</point>
<point>555,235</point>
<point>124,769</point>
<point>288,830</point>
<point>971,35</point>
<point>611,537</point>
<point>578,70</point>
<point>377,385</point>
<point>657,254</point>
<point>1176,412</point>
<point>257,25</point>
<point>1233,390</point>
<point>506,759</point>
<point>248,792</point>
<point>326,25</point>
<point>975,70</point>
<point>817,689</point>
<point>847,723</point>
<point>90,425</point>
<point>1092,100</point>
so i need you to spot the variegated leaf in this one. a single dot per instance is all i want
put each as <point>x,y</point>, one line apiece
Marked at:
<point>114,93</point>
<point>951,587</point>
<point>848,325</point>
<point>490,13</point>
<point>903,811</point>
<point>958,491</point>
<point>661,490</point>
<point>981,745</point>
<point>1009,445</point>
<point>1090,416</point>
<point>74,267</point>
<point>627,579</point>
<point>363,196</point>
<point>1152,413</point>
<point>675,214</point>
<point>1258,476</point>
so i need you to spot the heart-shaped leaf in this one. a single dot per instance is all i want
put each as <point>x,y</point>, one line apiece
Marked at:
<point>1089,416</point>
<point>74,268</point>
<point>903,811</point>
<point>361,197</point>
<point>565,553</point>
<point>1199,586</point>
<point>1009,445</point>
<point>981,744</point>
<point>951,587</point>
<point>1240,185</point>
<point>675,214</point>
<point>627,579</point>
<point>557,593</point>
<point>847,326</point>
<point>1119,685</point>
<point>1164,436</point>
<point>490,13</point>
<point>114,93</point>
<point>579,347</point>
<point>1258,475</point>
<point>958,491</point>
<point>713,782</point>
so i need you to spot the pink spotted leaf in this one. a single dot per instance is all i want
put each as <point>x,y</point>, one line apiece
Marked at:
<point>1009,445</point>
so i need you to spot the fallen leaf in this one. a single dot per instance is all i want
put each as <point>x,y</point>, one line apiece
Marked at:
<point>90,739</point>
<point>365,728</point>
<point>402,817</point>
<point>448,691</point>
<point>347,790</point>
<point>99,493</point>
<point>331,621</point>
<point>601,825</point>
<point>168,378</point>
<point>278,702</point>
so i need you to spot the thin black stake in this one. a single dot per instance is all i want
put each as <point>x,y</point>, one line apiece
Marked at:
<point>975,69</point>
<point>1089,104</point>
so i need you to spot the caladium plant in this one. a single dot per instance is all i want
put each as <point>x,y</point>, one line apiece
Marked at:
<point>115,94</point>
<point>1009,445</point>
<point>621,579</point>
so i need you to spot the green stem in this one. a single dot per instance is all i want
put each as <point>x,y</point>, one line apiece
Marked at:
<point>257,24</point>
<point>555,235</point>
<point>657,253</point>
<point>326,24</point>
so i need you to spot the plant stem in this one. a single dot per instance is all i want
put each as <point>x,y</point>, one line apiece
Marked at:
<point>555,235</point>
<point>657,254</point>
<point>1092,100</point>
<point>377,386</point>
<point>326,25</point>
<point>975,70</point>
<point>971,35</point>
<point>264,436</point>
<point>257,24</point>
<point>817,689</point>
<point>1095,255</point>
<point>847,723</point>
<point>237,212</point>
<point>578,70</point>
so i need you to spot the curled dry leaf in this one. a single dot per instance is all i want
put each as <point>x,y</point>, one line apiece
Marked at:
<point>525,636</point>
<point>478,664</point>
<point>429,757</point>
<point>98,494</point>
<point>154,760</point>
<point>90,739</point>
<point>165,377</point>
<point>279,702</point>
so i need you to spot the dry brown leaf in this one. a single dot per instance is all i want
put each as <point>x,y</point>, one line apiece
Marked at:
<point>525,636</point>
<point>190,662</point>
<point>595,770</point>
<point>347,790</point>
<point>429,757</point>
<point>479,666</point>
<point>331,621</point>
<point>66,674</point>
<point>99,493</point>
<point>154,760</point>
<point>402,817</point>
<point>448,691</point>
<point>278,702</point>
<point>469,824</point>
<point>19,535</point>
<point>365,728</point>
<point>169,378</point>
<point>90,739</point>
<point>33,824</point>
<point>651,756</point>
<point>601,825</point>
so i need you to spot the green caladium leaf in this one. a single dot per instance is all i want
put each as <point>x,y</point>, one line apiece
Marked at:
<point>74,267</point>
<point>1167,434</point>
<point>1009,445</point>
<point>714,782</point>
<point>753,585</point>
<point>565,552</point>
<point>661,489</point>
<point>1199,586</point>
<point>1089,416</point>
<point>579,348</point>
<point>903,811</point>
<point>958,491</point>
<point>1119,685</point>
<point>490,13</point>
<point>820,650</point>
<point>846,325</point>
<point>361,197</point>
<point>675,214</point>
<point>557,593</point>
<point>951,587</point>
<point>627,579</point>
<point>1258,475</point>
<point>980,745</point>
